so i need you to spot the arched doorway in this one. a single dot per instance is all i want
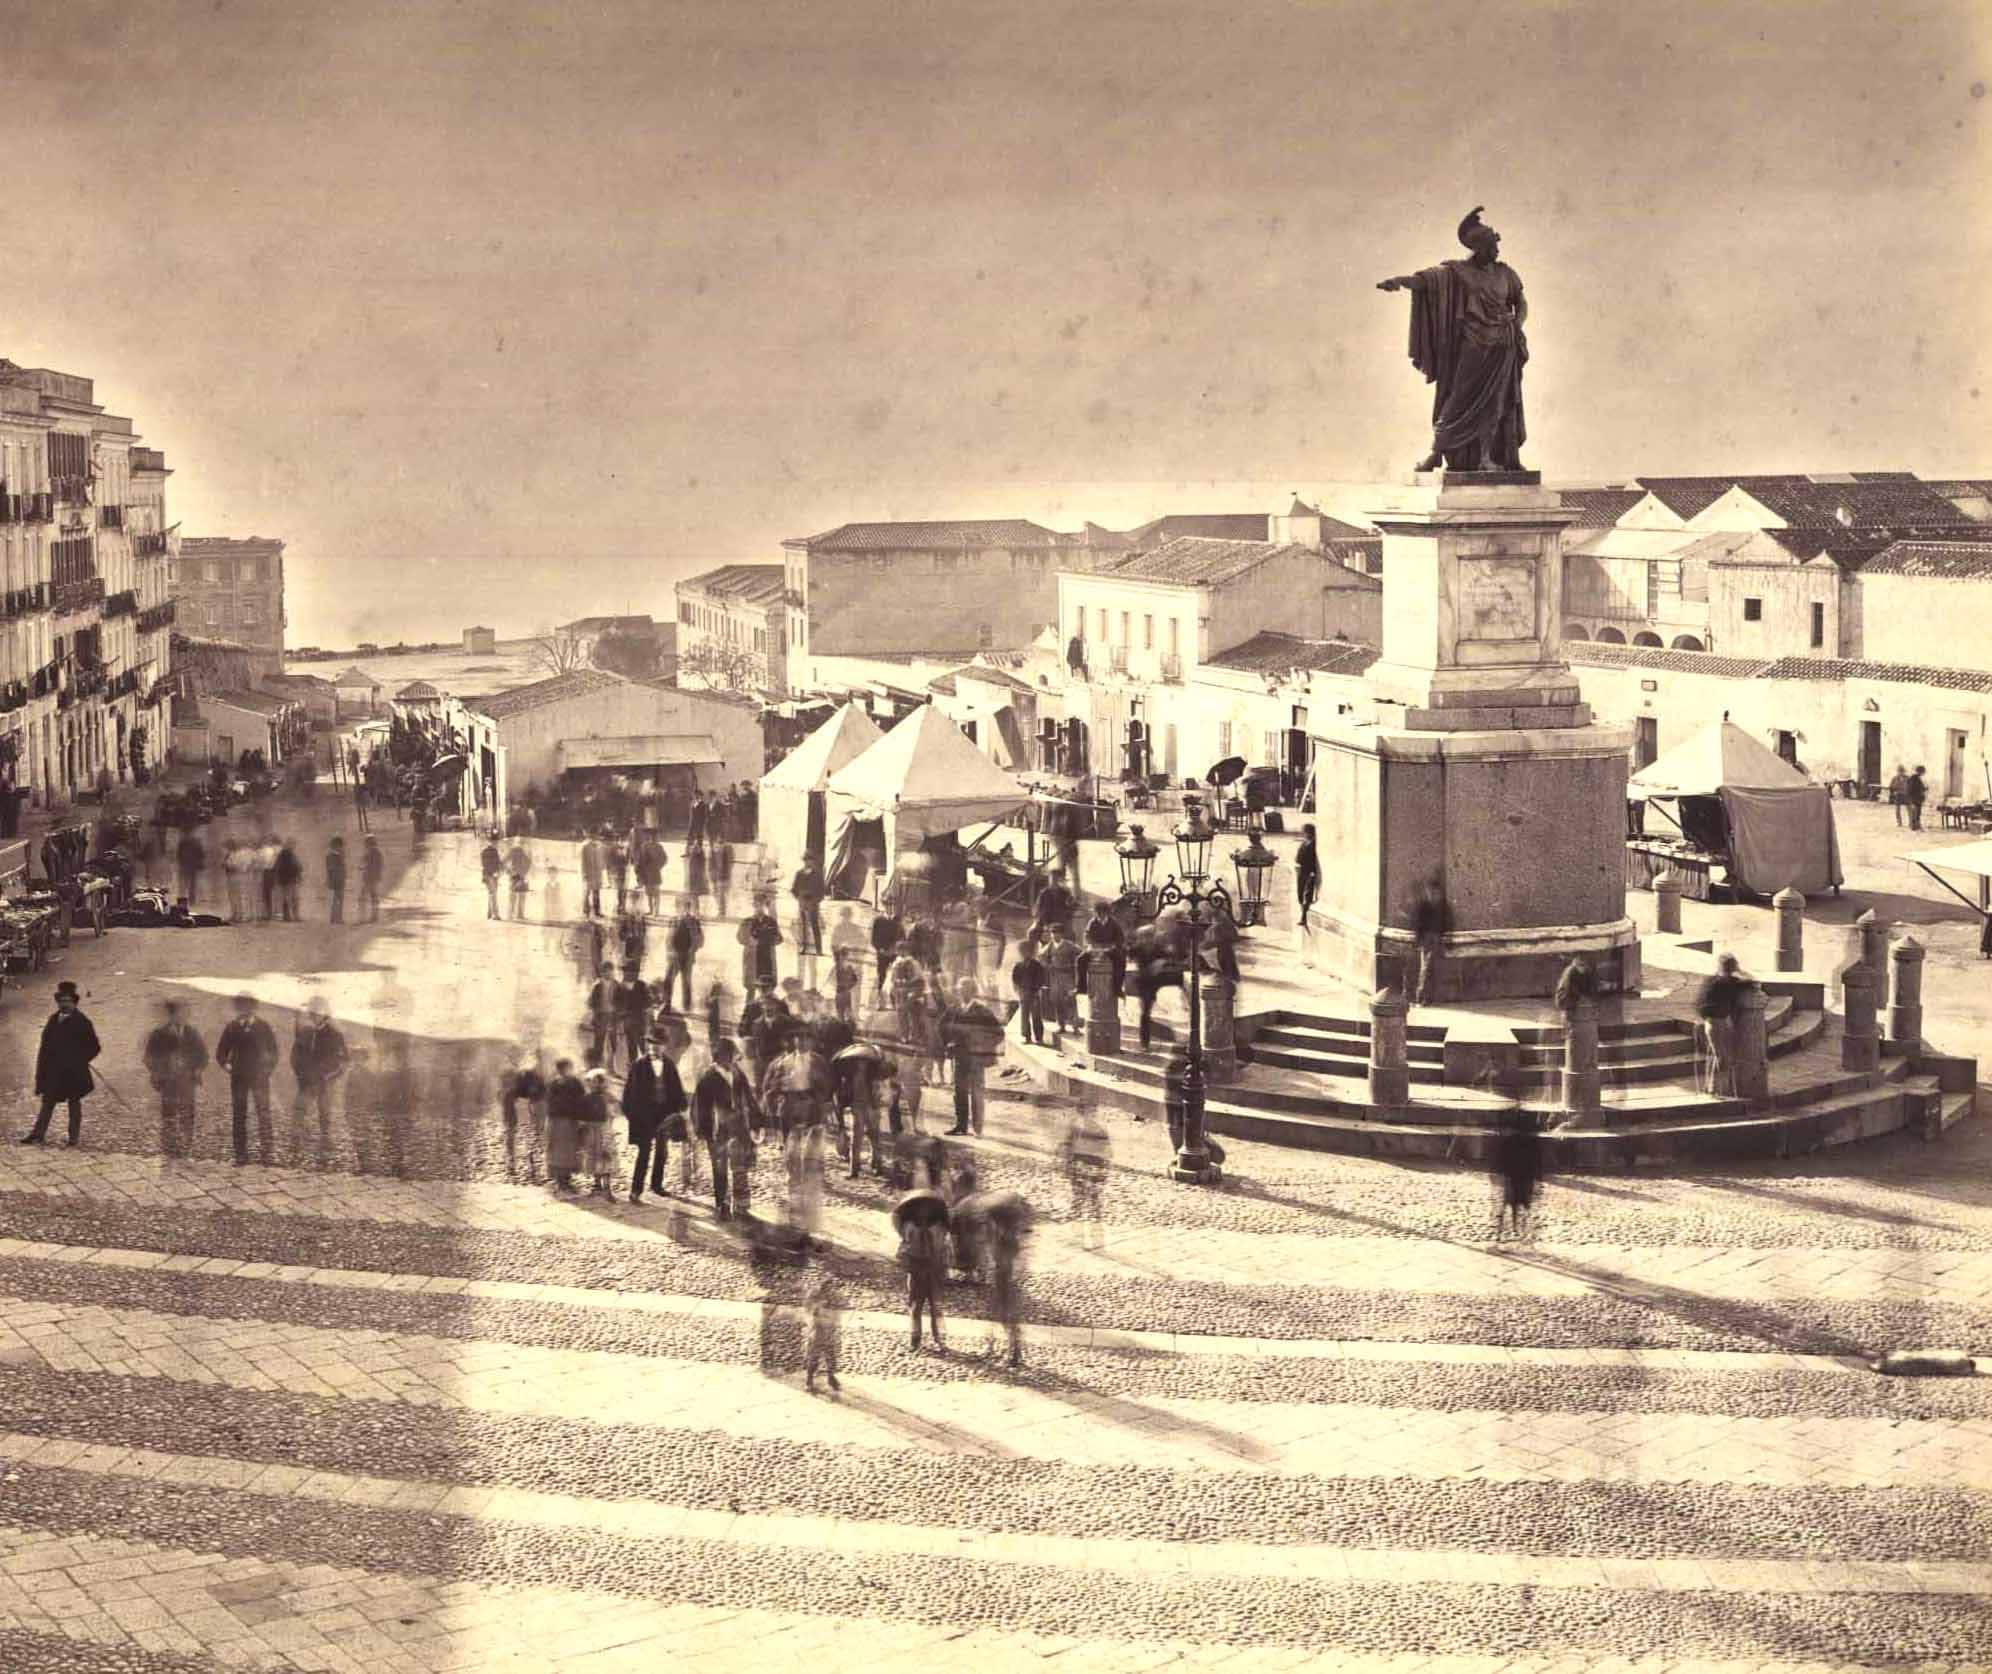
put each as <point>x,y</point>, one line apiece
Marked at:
<point>1688,642</point>
<point>1572,630</point>
<point>1610,636</point>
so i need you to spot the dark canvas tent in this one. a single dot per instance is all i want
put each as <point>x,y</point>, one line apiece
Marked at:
<point>1774,824</point>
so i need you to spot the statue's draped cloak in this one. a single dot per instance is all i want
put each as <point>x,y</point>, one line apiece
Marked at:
<point>1466,340</point>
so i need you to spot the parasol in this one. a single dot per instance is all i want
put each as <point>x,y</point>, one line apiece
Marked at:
<point>448,767</point>
<point>1226,771</point>
<point>924,1206</point>
<point>1006,1209</point>
<point>861,1049</point>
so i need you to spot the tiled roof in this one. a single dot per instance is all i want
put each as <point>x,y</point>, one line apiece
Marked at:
<point>1807,504</point>
<point>578,682</point>
<point>1334,529</point>
<point>942,683</point>
<point>1194,561</point>
<point>1937,560</point>
<point>355,676</point>
<point>416,691</point>
<point>1591,653</point>
<point>1883,476</point>
<point>1600,508</point>
<point>749,583</point>
<point>1963,488</point>
<point>1008,532</point>
<point>990,677</point>
<point>607,624</point>
<point>224,546</point>
<point>1844,668</point>
<point>1686,497</point>
<point>1277,653</point>
<point>257,703</point>
<point>1216,526</point>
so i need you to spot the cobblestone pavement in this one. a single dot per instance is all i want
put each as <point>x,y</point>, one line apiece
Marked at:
<point>288,1418</point>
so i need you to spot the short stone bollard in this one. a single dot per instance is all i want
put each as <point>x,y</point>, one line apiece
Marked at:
<point>1905,994</point>
<point>1582,1082</point>
<point>1103,1022</point>
<point>1667,903</point>
<point>1753,1062</point>
<point>1874,943</point>
<point>1860,1042</point>
<point>1789,906</point>
<point>1220,1049</point>
<point>1390,1064</point>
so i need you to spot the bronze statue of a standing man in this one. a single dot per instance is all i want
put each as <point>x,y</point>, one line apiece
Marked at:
<point>1466,337</point>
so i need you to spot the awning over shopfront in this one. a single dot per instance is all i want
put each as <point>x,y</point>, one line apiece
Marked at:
<point>644,750</point>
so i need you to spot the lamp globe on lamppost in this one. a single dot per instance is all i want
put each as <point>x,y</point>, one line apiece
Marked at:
<point>1192,889</point>
<point>1254,862</point>
<point>1137,868</point>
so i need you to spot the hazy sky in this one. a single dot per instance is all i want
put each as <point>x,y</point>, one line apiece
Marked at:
<point>505,312</point>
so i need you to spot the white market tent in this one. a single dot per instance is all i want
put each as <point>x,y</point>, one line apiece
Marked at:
<point>1971,860</point>
<point>793,821</point>
<point>921,779</point>
<point>1779,824</point>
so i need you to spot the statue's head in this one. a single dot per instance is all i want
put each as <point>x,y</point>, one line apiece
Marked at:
<point>1478,237</point>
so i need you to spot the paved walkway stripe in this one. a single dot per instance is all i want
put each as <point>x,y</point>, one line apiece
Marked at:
<point>177,1603</point>
<point>643,1520</point>
<point>1010,1420</point>
<point>1141,1342</point>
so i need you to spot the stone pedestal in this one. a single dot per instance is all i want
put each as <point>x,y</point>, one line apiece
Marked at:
<point>1667,903</point>
<point>1753,1059</point>
<point>1103,1023</point>
<point>1905,995</point>
<point>1479,767</point>
<point>1582,1084</point>
<point>1860,1041</point>
<point>1789,906</point>
<point>1390,1063</point>
<point>1220,1048</point>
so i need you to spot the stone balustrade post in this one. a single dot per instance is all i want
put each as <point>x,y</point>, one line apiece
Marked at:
<point>1905,995</point>
<point>1753,1059</point>
<point>1874,943</point>
<point>1220,1049</point>
<point>1103,1021</point>
<point>1667,903</point>
<point>1789,906</point>
<point>1390,1063</point>
<point>1860,1040</point>
<point>1582,1082</point>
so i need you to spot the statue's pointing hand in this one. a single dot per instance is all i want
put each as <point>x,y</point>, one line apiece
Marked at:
<point>1393,284</point>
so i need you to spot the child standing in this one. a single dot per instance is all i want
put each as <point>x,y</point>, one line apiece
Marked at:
<point>825,1329</point>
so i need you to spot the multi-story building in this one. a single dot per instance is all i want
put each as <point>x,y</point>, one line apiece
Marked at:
<point>946,590</point>
<point>480,642</point>
<point>234,590</point>
<point>78,697</point>
<point>733,629</point>
<point>152,539</point>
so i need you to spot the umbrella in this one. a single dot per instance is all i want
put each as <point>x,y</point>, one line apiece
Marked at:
<point>447,767</point>
<point>862,1049</point>
<point>923,1205</point>
<point>1232,767</point>
<point>1006,1209</point>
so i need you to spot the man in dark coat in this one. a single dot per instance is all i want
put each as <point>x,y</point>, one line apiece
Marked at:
<point>764,1024</point>
<point>335,878</point>
<point>759,936</point>
<point>175,1059</point>
<point>807,889</point>
<point>687,936</point>
<point>1105,939</point>
<point>723,1104</point>
<point>633,1012</point>
<point>1054,906</point>
<point>318,1060</point>
<point>1306,873</point>
<point>652,1095</point>
<point>1915,794</point>
<point>192,857</point>
<point>62,1067</point>
<point>492,865</point>
<point>247,1050</point>
<point>885,933</point>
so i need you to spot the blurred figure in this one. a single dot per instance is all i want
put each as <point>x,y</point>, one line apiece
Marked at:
<point>1027,981</point>
<point>319,1060</point>
<point>1431,922</point>
<point>1005,1241</point>
<point>289,873</point>
<point>802,1156</point>
<point>719,861</point>
<point>973,1039</point>
<point>235,861</point>
<point>335,879</point>
<point>175,1058</point>
<point>1061,962</point>
<point>1716,1007</point>
<point>923,1253</point>
<point>687,936</point>
<point>519,866</point>
<point>247,1050</point>
<point>566,1122</point>
<point>825,1330</point>
<point>373,870</point>
<point>491,866</point>
<point>598,1138</point>
<point>1087,1155</point>
<point>527,1086</point>
<point>1517,1173</point>
<point>650,859</point>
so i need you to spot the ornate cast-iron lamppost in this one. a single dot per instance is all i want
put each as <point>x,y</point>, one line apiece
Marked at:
<point>1193,890</point>
<point>1253,861</point>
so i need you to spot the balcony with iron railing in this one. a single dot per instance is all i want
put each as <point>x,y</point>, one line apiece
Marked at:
<point>1117,659</point>
<point>123,685</point>
<point>153,619</point>
<point>110,517</point>
<point>68,597</point>
<point>1171,666</point>
<point>70,490</point>
<point>120,604</point>
<point>24,601</point>
<point>148,546</point>
<point>17,507</point>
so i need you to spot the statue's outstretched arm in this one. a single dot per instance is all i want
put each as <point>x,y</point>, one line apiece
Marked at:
<point>1407,282</point>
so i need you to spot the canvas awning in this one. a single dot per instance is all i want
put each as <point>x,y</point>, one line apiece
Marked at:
<point>640,750</point>
<point>1973,860</point>
<point>1718,758</point>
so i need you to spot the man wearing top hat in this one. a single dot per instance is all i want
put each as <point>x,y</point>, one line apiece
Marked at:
<point>652,1094</point>
<point>62,1067</point>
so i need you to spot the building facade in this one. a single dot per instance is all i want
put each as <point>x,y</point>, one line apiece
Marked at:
<point>480,642</point>
<point>83,662</point>
<point>234,590</point>
<point>733,630</point>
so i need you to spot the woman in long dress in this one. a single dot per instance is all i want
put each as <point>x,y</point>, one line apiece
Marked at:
<point>566,1117</point>
<point>598,1144</point>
